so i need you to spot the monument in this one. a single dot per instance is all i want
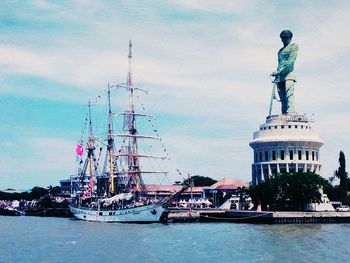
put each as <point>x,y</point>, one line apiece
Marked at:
<point>286,142</point>
<point>285,76</point>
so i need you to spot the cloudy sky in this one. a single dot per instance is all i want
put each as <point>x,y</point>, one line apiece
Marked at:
<point>206,65</point>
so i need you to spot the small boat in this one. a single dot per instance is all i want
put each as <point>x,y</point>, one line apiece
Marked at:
<point>115,192</point>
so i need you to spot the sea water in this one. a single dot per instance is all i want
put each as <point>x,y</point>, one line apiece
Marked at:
<point>35,239</point>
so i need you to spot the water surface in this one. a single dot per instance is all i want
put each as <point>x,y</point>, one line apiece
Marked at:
<point>33,239</point>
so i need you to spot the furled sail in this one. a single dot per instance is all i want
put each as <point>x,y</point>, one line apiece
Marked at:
<point>116,198</point>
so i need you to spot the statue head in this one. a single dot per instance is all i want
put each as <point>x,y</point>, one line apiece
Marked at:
<point>286,37</point>
<point>286,33</point>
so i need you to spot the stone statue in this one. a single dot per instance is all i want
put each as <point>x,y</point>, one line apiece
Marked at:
<point>285,76</point>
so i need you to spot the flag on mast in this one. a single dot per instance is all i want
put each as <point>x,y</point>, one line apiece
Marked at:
<point>79,150</point>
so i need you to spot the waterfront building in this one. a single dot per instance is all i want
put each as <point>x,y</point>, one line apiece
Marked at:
<point>74,183</point>
<point>216,193</point>
<point>222,190</point>
<point>285,143</point>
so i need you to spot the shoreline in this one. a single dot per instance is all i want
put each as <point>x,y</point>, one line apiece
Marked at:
<point>220,215</point>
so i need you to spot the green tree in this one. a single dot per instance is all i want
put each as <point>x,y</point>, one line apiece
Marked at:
<point>333,192</point>
<point>341,173</point>
<point>339,192</point>
<point>202,180</point>
<point>37,192</point>
<point>288,191</point>
<point>33,194</point>
<point>54,190</point>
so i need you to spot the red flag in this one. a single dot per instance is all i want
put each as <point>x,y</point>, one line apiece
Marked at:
<point>79,150</point>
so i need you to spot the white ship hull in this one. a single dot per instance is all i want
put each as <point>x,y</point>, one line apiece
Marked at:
<point>142,214</point>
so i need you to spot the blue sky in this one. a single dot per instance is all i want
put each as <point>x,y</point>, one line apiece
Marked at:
<point>205,63</point>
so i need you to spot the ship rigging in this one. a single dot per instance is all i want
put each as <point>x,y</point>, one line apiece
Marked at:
<point>117,192</point>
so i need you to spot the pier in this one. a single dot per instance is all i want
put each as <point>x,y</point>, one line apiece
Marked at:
<point>310,217</point>
<point>266,217</point>
<point>194,215</point>
<point>277,217</point>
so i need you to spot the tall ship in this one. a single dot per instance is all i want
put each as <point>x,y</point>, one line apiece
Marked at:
<point>112,189</point>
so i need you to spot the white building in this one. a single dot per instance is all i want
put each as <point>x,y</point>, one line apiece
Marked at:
<point>285,143</point>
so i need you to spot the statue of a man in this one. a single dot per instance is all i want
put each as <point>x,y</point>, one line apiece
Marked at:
<point>285,76</point>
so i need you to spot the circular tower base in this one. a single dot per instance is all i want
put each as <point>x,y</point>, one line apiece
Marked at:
<point>285,143</point>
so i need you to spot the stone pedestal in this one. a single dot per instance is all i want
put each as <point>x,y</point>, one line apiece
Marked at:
<point>285,143</point>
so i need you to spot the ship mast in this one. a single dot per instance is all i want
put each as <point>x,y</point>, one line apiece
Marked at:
<point>91,151</point>
<point>133,181</point>
<point>134,162</point>
<point>110,142</point>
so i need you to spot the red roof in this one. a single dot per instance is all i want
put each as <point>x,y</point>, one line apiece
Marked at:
<point>171,188</point>
<point>229,184</point>
<point>224,184</point>
<point>162,188</point>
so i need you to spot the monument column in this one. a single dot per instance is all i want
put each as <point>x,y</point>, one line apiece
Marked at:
<point>286,131</point>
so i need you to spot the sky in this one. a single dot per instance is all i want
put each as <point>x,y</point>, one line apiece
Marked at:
<point>206,65</point>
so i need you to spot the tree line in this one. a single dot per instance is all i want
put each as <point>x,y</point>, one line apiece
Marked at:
<point>33,194</point>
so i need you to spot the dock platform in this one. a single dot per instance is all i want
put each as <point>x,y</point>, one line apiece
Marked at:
<point>278,217</point>
<point>265,217</point>
<point>187,215</point>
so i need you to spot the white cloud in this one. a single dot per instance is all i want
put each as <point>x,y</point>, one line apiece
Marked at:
<point>36,160</point>
<point>20,61</point>
<point>209,156</point>
<point>326,34</point>
<point>46,5</point>
<point>218,6</point>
